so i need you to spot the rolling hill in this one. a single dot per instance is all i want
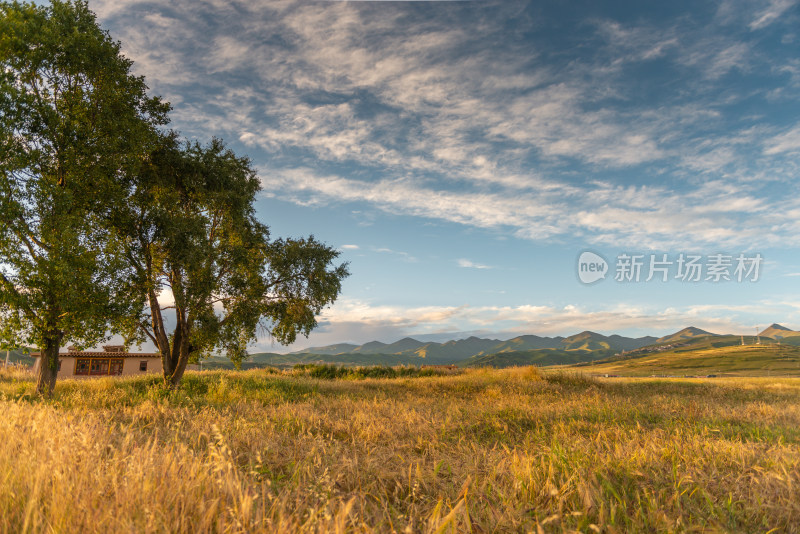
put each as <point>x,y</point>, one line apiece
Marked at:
<point>539,357</point>
<point>686,333</point>
<point>330,349</point>
<point>776,331</point>
<point>453,351</point>
<point>706,355</point>
<point>593,341</point>
<point>269,359</point>
<point>527,342</point>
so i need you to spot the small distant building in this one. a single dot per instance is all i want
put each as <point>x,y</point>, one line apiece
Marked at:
<point>113,361</point>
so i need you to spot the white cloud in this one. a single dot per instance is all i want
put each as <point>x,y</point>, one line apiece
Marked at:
<point>636,43</point>
<point>404,255</point>
<point>482,136</point>
<point>462,262</point>
<point>785,142</point>
<point>229,53</point>
<point>771,13</point>
<point>349,247</point>
<point>714,61</point>
<point>652,217</point>
<point>360,321</point>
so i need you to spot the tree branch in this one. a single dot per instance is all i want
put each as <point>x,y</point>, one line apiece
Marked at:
<point>145,329</point>
<point>9,286</point>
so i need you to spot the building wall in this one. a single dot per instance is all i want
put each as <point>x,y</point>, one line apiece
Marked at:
<point>67,366</point>
<point>131,366</point>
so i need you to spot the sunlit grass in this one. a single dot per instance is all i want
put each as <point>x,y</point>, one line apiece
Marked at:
<point>482,451</point>
<point>730,360</point>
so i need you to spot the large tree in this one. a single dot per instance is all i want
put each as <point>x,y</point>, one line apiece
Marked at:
<point>74,124</point>
<point>212,276</point>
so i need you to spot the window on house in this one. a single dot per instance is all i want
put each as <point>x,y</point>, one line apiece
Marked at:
<point>99,367</point>
<point>59,366</point>
<point>116,367</point>
<point>143,365</point>
<point>82,367</point>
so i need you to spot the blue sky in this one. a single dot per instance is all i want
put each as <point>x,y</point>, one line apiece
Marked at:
<point>463,154</point>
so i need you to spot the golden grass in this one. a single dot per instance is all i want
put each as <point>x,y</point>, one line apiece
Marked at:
<point>484,451</point>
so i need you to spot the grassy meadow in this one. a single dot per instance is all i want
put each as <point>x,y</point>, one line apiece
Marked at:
<point>709,358</point>
<point>482,450</point>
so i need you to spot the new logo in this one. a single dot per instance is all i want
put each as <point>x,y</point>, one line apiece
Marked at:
<point>591,267</point>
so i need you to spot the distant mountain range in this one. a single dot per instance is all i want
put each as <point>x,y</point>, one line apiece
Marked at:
<point>522,350</point>
<point>585,346</point>
<point>461,349</point>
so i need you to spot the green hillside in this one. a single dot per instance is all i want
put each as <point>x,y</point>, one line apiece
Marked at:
<point>330,349</point>
<point>789,340</point>
<point>584,340</point>
<point>528,342</point>
<point>17,356</point>
<point>268,359</point>
<point>777,331</point>
<point>593,341</point>
<point>404,345</point>
<point>539,357</point>
<point>373,347</point>
<point>686,333</point>
<point>717,355</point>
<point>456,350</point>
<point>618,342</point>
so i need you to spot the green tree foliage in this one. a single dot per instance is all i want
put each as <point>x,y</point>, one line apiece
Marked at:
<point>74,122</point>
<point>103,218</point>
<point>200,253</point>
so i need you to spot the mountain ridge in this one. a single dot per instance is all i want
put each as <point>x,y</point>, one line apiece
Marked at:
<point>685,333</point>
<point>778,331</point>
<point>473,346</point>
<point>533,349</point>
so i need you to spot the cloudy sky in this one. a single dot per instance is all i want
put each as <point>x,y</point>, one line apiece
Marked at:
<point>462,155</point>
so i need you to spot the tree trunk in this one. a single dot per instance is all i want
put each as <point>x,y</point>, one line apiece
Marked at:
<point>180,352</point>
<point>174,356</point>
<point>48,365</point>
<point>174,352</point>
<point>162,341</point>
<point>177,372</point>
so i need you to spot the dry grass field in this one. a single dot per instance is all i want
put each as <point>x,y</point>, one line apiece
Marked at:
<point>482,451</point>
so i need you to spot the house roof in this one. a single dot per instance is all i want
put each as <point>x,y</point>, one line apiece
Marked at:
<point>103,354</point>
